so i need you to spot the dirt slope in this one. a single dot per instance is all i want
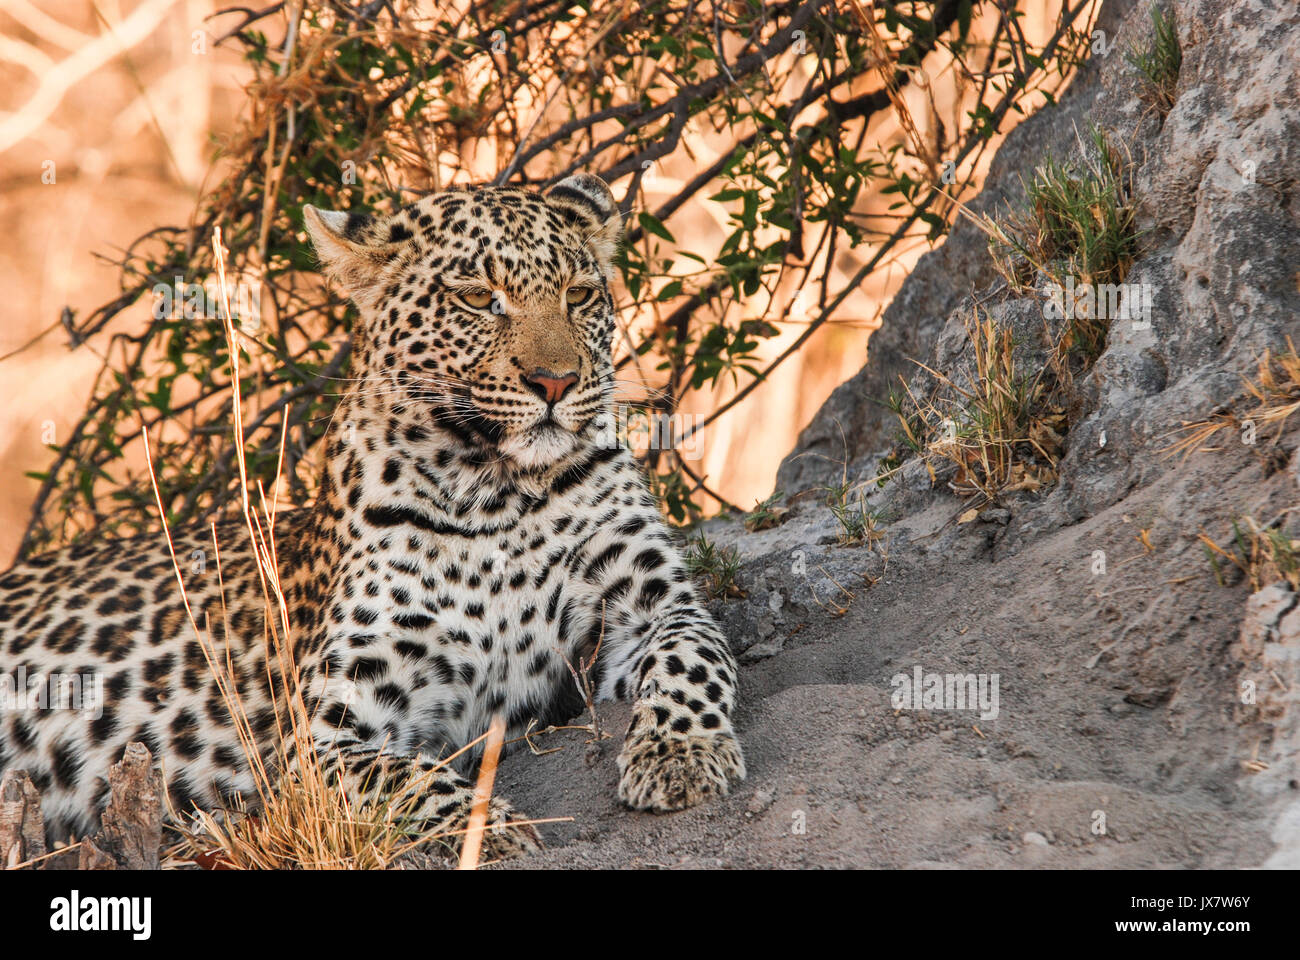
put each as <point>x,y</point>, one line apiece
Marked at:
<point>1116,695</point>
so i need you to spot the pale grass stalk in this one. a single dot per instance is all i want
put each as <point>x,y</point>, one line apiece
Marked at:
<point>487,771</point>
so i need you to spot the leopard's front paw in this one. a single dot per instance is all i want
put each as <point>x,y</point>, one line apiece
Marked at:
<point>504,835</point>
<point>662,770</point>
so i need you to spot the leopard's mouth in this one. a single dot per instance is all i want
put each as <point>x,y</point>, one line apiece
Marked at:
<point>539,445</point>
<point>546,428</point>
<point>546,438</point>
<point>474,427</point>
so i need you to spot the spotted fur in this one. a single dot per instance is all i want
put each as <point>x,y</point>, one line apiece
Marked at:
<point>476,527</point>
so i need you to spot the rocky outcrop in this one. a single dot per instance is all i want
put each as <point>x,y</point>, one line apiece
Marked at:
<point>1217,209</point>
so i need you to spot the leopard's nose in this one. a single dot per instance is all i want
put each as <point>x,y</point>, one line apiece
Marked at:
<point>550,386</point>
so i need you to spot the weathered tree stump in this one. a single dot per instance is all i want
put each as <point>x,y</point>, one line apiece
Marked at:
<point>90,857</point>
<point>131,835</point>
<point>133,819</point>
<point>22,828</point>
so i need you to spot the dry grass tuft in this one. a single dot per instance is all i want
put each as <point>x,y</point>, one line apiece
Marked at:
<point>1002,429</point>
<point>996,430</point>
<point>859,524</point>
<point>1159,64</point>
<point>715,567</point>
<point>1078,222</point>
<point>1263,554</point>
<point>1276,390</point>
<point>766,513</point>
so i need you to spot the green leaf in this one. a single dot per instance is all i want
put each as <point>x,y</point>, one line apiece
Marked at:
<point>652,224</point>
<point>670,291</point>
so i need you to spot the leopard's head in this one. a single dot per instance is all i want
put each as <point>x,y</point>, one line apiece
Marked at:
<point>487,311</point>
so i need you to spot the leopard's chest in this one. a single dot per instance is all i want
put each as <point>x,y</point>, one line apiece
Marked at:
<point>477,625</point>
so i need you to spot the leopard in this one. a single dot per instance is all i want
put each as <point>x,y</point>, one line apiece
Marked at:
<point>477,530</point>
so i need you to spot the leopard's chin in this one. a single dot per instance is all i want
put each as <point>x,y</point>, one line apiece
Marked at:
<point>539,447</point>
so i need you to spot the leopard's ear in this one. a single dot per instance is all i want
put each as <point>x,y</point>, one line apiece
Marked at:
<point>587,201</point>
<point>353,248</point>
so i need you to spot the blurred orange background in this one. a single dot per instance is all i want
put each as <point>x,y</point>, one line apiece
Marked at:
<point>109,115</point>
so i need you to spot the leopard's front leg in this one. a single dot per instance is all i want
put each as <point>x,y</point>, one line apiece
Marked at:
<point>366,744</point>
<point>433,800</point>
<point>668,653</point>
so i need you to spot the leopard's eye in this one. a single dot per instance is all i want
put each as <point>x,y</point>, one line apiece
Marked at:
<point>578,295</point>
<point>478,299</point>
